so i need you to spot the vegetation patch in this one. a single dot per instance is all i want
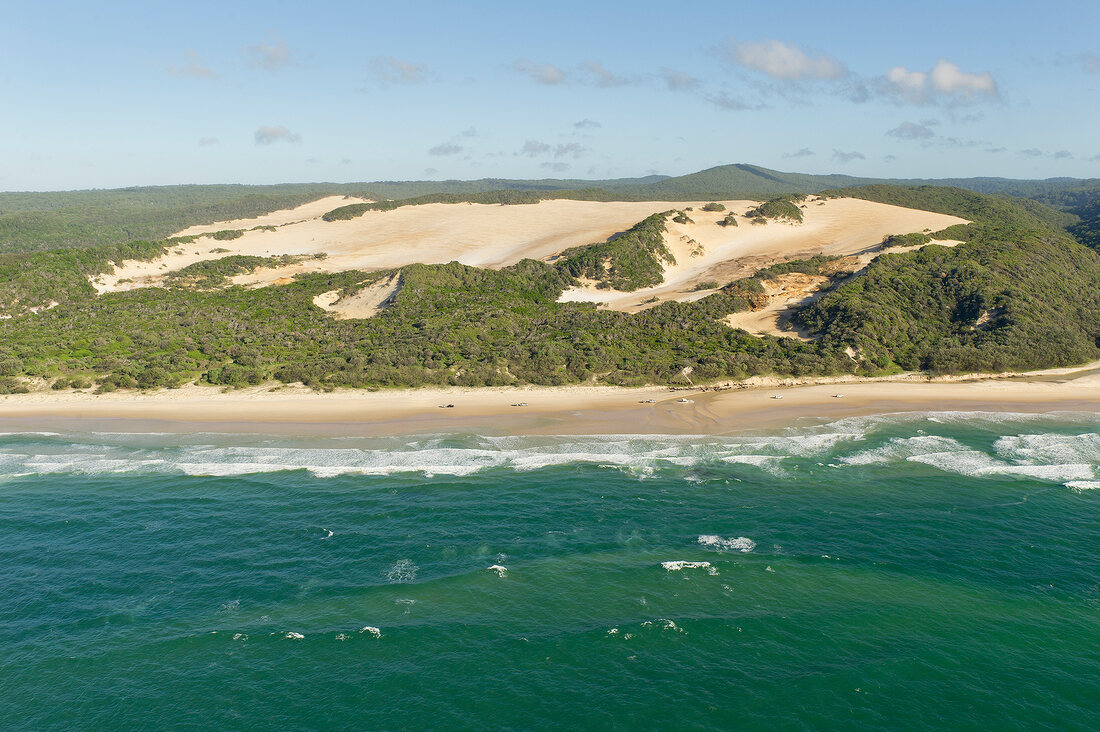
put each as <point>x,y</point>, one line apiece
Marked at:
<point>211,273</point>
<point>915,239</point>
<point>783,208</point>
<point>627,261</point>
<point>34,280</point>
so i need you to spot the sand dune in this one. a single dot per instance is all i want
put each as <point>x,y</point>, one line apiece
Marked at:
<point>480,235</point>
<point>364,304</point>
<point>708,252</point>
<point>496,236</point>
<point>282,217</point>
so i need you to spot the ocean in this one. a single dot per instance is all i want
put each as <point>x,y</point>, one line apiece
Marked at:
<point>932,571</point>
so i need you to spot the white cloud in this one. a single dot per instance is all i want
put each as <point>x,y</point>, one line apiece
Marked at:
<point>207,141</point>
<point>587,124</point>
<point>268,135</point>
<point>194,68</point>
<point>723,100</point>
<point>678,80</point>
<point>397,71</point>
<point>572,149</point>
<point>910,84</point>
<point>803,153</point>
<point>948,78</point>
<point>542,73</point>
<point>535,148</point>
<point>1034,152</point>
<point>556,167</point>
<point>446,148</point>
<point>846,157</point>
<point>270,56</point>
<point>602,76</point>
<point>785,61</point>
<point>911,131</point>
<point>946,81</point>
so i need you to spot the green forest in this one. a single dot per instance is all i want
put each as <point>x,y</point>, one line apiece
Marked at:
<point>1021,292</point>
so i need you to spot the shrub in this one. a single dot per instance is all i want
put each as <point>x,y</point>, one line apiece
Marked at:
<point>905,240</point>
<point>783,207</point>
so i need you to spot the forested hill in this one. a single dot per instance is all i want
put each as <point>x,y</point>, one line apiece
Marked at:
<point>1018,293</point>
<point>39,221</point>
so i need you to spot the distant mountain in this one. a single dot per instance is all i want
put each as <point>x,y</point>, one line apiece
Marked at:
<point>743,181</point>
<point>753,181</point>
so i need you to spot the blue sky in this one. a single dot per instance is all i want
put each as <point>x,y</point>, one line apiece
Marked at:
<point>109,94</point>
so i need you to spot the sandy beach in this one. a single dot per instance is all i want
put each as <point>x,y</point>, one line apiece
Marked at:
<point>547,410</point>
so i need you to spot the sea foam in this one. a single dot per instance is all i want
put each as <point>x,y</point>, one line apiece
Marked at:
<point>677,565</point>
<point>1053,457</point>
<point>738,543</point>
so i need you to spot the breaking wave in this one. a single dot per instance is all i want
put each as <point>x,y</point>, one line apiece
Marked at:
<point>975,444</point>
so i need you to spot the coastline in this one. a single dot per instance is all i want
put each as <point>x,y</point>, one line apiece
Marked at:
<point>564,410</point>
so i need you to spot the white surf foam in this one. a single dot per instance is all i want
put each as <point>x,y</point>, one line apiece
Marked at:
<point>401,571</point>
<point>677,565</point>
<point>1050,457</point>
<point>904,448</point>
<point>459,455</point>
<point>1050,448</point>
<point>737,543</point>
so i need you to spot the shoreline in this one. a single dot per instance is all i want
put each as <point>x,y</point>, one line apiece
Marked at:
<point>565,410</point>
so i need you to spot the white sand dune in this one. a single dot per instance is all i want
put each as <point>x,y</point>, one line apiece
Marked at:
<point>479,235</point>
<point>282,217</point>
<point>496,236</point>
<point>366,303</point>
<point>706,252</point>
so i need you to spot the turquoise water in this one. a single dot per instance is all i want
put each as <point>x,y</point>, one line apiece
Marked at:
<point>923,572</point>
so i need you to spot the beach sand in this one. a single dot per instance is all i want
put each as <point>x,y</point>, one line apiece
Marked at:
<point>548,410</point>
